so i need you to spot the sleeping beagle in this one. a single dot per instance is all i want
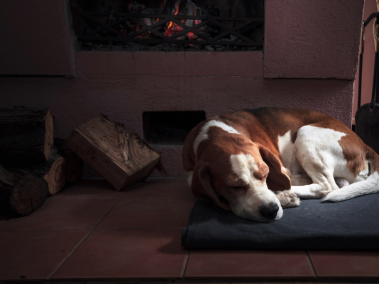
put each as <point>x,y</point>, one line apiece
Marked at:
<point>256,162</point>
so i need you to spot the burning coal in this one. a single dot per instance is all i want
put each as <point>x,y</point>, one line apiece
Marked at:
<point>173,24</point>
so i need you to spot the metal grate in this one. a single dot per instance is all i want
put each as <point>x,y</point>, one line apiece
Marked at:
<point>227,31</point>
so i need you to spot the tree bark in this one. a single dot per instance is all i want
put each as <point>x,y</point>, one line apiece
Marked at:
<point>15,120</point>
<point>26,136</point>
<point>25,149</point>
<point>53,171</point>
<point>22,194</point>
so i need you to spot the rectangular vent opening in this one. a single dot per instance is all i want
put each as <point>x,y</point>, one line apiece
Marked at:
<point>169,127</point>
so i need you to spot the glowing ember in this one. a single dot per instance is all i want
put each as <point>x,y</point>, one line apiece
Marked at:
<point>173,29</point>
<point>177,4</point>
<point>169,25</point>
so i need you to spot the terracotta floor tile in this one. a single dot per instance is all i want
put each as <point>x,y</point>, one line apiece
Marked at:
<point>247,264</point>
<point>345,264</point>
<point>148,213</point>
<point>90,189</point>
<point>27,255</point>
<point>160,187</point>
<point>63,214</point>
<point>120,254</point>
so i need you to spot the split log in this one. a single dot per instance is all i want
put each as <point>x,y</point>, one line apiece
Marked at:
<point>121,157</point>
<point>22,194</point>
<point>26,135</point>
<point>73,162</point>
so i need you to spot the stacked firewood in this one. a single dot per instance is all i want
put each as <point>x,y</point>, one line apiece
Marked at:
<point>33,165</point>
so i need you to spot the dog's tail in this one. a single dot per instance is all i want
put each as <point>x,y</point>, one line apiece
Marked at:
<point>370,185</point>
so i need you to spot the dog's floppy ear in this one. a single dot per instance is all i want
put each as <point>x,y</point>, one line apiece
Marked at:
<point>277,179</point>
<point>201,185</point>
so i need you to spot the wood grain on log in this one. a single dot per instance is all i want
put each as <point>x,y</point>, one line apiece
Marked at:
<point>22,194</point>
<point>121,157</point>
<point>53,171</point>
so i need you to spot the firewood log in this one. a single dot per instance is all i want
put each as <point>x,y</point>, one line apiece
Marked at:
<point>15,120</point>
<point>73,162</point>
<point>121,157</point>
<point>24,149</point>
<point>53,171</point>
<point>22,194</point>
<point>26,136</point>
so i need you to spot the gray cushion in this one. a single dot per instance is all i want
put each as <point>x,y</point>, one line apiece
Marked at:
<point>348,225</point>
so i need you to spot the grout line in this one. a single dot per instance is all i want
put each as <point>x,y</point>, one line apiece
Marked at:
<point>310,261</point>
<point>84,239</point>
<point>186,263</point>
<point>87,229</point>
<point>197,76</point>
<point>32,76</point>
<point>106,214</point>
<point>69,255</point>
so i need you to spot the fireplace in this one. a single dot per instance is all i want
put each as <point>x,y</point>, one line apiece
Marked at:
<point>169,25</point>
<point>307,63</point>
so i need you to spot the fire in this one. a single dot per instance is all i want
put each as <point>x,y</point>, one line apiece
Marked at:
<point>190,10</point>
<point>177,5</point>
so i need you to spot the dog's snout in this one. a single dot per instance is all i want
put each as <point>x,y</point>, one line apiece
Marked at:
<point>270,211</point>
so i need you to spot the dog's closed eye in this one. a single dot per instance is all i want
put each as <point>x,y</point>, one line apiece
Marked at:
<point>261,175</point>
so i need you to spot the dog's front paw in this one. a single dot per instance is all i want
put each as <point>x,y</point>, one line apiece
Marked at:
<point>288,198</point>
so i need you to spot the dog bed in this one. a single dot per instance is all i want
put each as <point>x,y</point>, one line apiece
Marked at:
<point>348,225</point>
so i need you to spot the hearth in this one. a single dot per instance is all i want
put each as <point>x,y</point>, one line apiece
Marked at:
<point>169,25</point>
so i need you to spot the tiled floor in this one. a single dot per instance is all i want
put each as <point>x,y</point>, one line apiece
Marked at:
<point>89,231</point>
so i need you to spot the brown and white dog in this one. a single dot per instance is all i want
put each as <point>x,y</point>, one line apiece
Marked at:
<point>256,162</point>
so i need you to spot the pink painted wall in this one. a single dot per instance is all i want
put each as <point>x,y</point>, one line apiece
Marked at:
<point>368,60</point>
<point>125,84</point>
<point>34,38</point>
<point>312,38</point>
